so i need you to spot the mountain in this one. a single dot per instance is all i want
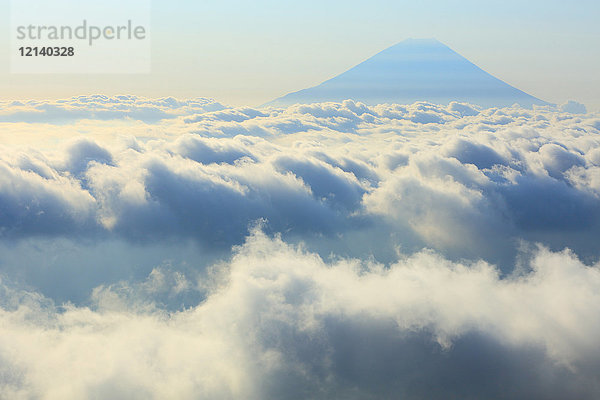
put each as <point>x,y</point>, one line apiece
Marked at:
<point>414,70</point>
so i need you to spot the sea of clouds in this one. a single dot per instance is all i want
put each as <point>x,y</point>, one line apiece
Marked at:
<point>160,248</point>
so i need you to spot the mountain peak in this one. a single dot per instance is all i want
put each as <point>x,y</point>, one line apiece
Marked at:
<point>425,41</point>
<point>414,70</point>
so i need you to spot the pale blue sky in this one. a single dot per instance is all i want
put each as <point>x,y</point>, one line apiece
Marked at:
<point>242,52</point>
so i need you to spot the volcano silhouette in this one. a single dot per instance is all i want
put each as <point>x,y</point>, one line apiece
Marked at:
<point>410,71</point>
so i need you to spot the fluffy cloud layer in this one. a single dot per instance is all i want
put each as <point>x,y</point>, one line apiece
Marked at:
<point>102,108</point>
<point>467,182</point>
<point>431,260</point>
<point>281,323</point>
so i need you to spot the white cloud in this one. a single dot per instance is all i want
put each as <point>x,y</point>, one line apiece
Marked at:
<point>573,107</point>
<point>440,174</point>
<point>288,325</point>
<point>122,220</point>
<point>102,108</point>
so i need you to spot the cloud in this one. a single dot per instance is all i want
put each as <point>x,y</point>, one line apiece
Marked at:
<point>35,205</point>
<point>417,250</point>
<point>573,107</point>
<point>282,323</point>
<point>432,174</point>
<point>100,107</point>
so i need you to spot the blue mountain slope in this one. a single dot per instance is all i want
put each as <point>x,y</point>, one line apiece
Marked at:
<point>414,70</point>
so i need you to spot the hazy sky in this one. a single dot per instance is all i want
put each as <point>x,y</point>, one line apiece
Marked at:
<point>246,53</point>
